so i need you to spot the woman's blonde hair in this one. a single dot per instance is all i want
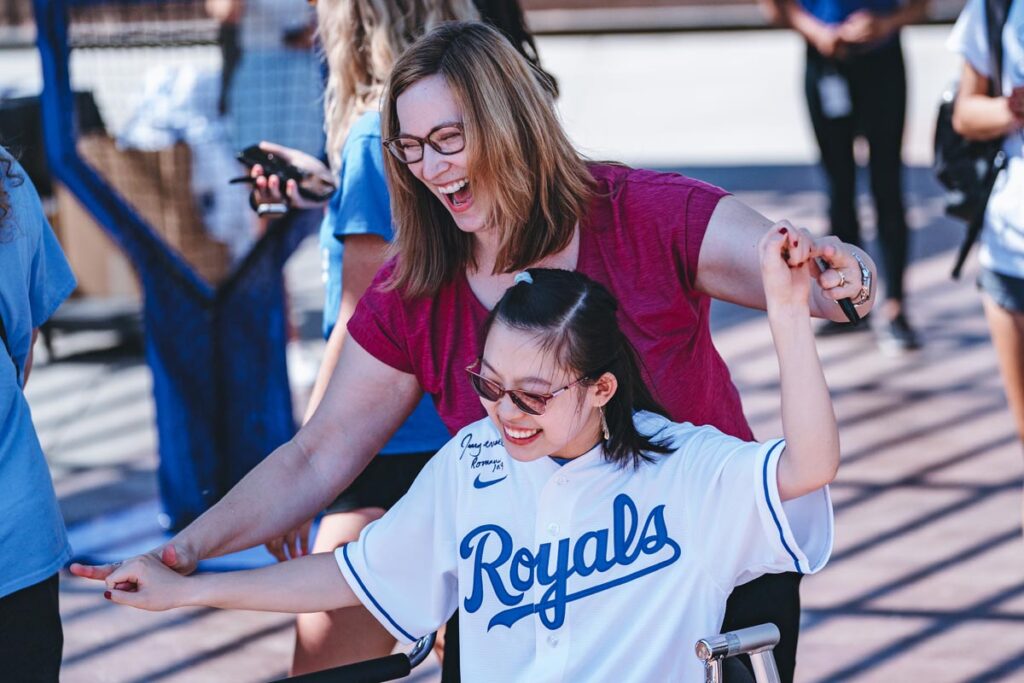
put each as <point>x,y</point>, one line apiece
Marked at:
<point>361,40</point>
<point>519,157</point>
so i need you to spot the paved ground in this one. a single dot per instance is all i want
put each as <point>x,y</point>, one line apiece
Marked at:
<point>926,580</point>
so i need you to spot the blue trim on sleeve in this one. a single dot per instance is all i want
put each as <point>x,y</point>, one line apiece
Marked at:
<point>344,553</point>
<point>775,516</point>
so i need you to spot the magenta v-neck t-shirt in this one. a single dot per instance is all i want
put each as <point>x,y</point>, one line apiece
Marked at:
<point>641,239</point>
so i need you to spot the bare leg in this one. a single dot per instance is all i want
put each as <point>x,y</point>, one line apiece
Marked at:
<point>328,639</point>
<point>1007,329</point>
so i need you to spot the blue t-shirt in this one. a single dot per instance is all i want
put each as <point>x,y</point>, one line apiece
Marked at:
<point>362,206</point>
<point>34,280</point>
<point>835,11</point>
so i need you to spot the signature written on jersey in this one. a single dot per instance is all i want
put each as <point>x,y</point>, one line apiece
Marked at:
<point>475,448</point>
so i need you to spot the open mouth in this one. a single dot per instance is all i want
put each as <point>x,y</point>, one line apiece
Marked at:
<point>519,435</point>
<point>457,195</point>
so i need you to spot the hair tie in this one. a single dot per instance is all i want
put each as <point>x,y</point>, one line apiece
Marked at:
<point>524,277</point>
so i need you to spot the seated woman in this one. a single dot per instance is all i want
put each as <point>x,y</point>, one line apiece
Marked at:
<point>575,505</point>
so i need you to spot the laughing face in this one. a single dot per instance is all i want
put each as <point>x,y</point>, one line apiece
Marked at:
<point>428,109</point>
<point>571,423</point>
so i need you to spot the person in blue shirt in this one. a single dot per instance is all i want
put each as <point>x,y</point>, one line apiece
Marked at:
<point>34,279</point>
<point>856,84</point>
<point>354,236</point>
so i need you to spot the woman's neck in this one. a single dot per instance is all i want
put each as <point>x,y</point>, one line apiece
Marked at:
<point>489,287</point>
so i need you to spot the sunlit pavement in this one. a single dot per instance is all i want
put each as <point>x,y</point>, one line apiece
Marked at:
<point>926,581</point>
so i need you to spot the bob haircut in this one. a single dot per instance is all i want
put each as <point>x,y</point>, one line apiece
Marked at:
<point>518,156</point>
<point>575,319</point>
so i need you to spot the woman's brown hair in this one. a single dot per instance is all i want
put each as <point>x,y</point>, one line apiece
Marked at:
<point>519,157</point>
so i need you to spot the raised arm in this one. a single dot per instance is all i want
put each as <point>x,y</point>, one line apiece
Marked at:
<point>729,266</point>
<point>308,584</point>
<point>364,405</point>
<point>811,457</point>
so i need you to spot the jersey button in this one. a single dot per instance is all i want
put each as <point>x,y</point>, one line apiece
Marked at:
<point>553,529</point>
<point>553,640</point>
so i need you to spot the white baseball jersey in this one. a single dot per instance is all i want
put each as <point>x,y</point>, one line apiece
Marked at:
<point>587,571</point>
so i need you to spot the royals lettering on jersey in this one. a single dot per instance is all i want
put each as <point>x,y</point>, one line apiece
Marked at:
<point>510,573</point>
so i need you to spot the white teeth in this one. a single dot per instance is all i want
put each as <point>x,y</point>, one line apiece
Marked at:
<point>520,433</point>
<point>452,188</point>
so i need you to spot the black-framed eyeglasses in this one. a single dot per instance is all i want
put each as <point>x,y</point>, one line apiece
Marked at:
<point>527,401</point>
<point>448,138</point>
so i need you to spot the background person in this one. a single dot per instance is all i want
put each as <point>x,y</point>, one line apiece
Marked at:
<point>34,280</point>
<point>484,183</point>
<point>978,116</point>
<point>856,84</point>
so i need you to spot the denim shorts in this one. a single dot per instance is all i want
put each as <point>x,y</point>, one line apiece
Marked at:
<point>1006,291</point>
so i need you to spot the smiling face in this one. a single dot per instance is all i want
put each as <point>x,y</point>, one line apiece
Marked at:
<point>571,423</point>
<point>423,108</point>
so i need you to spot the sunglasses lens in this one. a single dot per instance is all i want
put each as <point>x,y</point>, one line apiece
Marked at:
<point>485,388</point>
<point>528,403</point>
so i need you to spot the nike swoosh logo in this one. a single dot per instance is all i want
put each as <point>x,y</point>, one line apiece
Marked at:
<point>477,484</point>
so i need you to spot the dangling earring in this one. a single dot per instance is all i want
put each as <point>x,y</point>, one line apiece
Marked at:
<point>604,425</point>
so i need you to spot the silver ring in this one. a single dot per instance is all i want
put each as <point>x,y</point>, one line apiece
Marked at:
<point>842,278</point>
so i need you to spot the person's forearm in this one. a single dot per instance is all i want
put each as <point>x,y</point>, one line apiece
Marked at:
<point>811,457</point>
<point>288,488</point>
<point>906,14</point>
<point>980,117</point>
<point>306,584</point>
<point>793,15</point>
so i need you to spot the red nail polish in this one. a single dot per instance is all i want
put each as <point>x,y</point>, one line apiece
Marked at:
<point>796,243</point>
<point>783,231</point>
<point>106,594</point>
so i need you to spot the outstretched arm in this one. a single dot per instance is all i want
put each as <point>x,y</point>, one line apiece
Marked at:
<point>811,458</point>
<point>308,584</point>
<point>365,403</point>
<point>729,266</point>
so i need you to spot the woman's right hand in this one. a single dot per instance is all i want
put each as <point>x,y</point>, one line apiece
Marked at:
<point>293,544</point>
<point>268,190</point>
<point>175,555</point>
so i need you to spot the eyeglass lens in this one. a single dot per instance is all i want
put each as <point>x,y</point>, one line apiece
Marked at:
<point>409,150</point>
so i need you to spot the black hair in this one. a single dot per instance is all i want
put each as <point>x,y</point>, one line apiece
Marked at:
<point>8,177</point>
<point>575,318</point>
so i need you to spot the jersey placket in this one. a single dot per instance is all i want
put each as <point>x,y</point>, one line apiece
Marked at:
<point>555,506</point>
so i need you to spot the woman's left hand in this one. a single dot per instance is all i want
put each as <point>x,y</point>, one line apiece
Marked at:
<point>787,265</point>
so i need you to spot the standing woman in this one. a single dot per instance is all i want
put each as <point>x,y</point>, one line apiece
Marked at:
<point>485,183</point>
<point>34,280</point>
<point>361,41</point>
<point>978,116</point>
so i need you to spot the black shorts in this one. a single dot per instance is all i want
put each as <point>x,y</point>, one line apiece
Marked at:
<point>382,483</point>
<point>31,636</point>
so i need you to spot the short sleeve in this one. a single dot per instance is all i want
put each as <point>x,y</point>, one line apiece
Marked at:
<point>50,279</point>
<point>970,37</point>
<point>361,205</point>
<point>737,517</point>
<point>378,323</point>
<point>403,567</point>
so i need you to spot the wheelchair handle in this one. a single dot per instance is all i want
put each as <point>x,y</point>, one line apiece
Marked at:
<point>756,641</point>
